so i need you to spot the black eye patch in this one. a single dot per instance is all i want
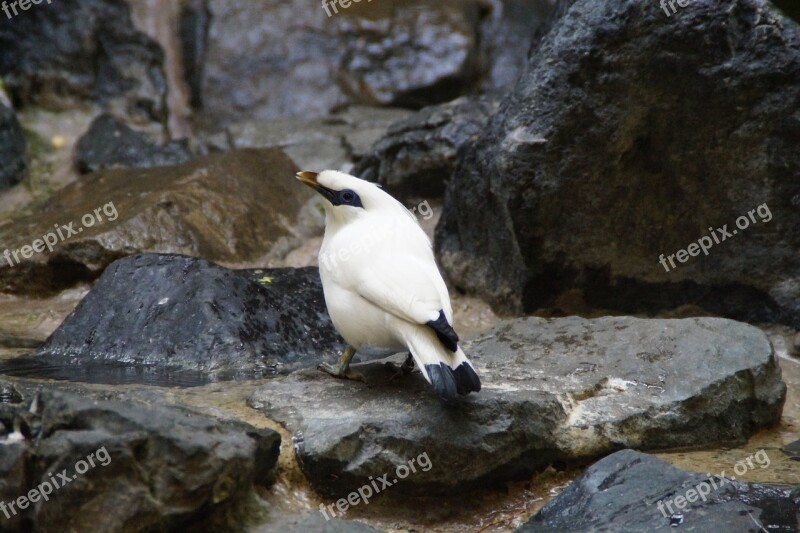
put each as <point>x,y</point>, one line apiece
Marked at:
<point>348,197</point>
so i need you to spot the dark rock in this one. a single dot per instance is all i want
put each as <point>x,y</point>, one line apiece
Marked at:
<point>13,155</point>
<point>622,493</point>
<point>111,143</point>
<point>71,52</point>
<point>629,135</point>
<point>155,467</point>
<point>180,320</point>
<point>792,450</point>
<point>561,390</point>
<point>418,154</point>
<point>232,206</point>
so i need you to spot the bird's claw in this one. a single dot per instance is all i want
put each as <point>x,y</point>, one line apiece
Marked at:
<point>399,371</point>
<point>337,372</point>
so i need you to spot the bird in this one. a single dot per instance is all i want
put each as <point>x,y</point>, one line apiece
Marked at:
<point>382,287</point>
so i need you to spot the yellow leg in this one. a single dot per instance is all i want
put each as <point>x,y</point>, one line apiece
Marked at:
<point>343,370</point>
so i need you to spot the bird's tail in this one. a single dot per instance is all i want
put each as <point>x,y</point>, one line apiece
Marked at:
<point>450,373</point>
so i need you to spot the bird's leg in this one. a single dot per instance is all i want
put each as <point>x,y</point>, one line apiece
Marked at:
<point>401,370</point>
<point>343,371</point>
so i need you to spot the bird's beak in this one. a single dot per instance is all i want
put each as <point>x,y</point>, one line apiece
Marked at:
<point>309,178</point>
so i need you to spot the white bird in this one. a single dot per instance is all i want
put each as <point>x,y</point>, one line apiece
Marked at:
<point>381,284</point>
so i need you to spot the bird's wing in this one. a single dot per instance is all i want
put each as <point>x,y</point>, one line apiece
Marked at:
<point>403,286</point>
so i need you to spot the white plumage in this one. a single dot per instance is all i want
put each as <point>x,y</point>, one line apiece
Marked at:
<point>382,287</point>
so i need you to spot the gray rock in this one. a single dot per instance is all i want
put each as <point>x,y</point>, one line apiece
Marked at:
<point>111,143</point>
<point>233,207</point>
<point>792,450</point>
<point>418,154</point>
<point>334,142</point>
<point>165,319</point>
<point>628,136</point>
<point>155,467</point>
<point>554,390</point>
<point>622,492</point>
<point>65,54</point>
<point>13,147</point>
<point>314,522</point>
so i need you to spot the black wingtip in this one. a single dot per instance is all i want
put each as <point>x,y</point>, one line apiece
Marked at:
<point>443,380</point>
<point>466,379</point>
<point>444,331</point>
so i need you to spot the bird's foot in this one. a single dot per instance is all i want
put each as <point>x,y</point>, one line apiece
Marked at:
<point>399,371</point>
<point>338,372</point>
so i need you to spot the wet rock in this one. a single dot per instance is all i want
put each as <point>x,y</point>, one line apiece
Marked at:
<point>66,54</point>
<point>111,143</point>
<point>334,142</point>
<point>157,467</point>
<point>598,127</point>
<point>622,492</point>
<point>418,154</point>
<point>553,390</point>
<point>233,206</point>
<point>13,155</point>
<point>168,319</point>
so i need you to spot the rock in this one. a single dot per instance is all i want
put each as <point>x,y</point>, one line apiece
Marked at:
<point>622,492</point>
<point>598,127</point>
<point>166,319</point>
<point>13,149</point>
<point>563,390</point>
<point>154,466</point>
<point>66,54</point>
<point>111,143</point>
<point>268,60</point>
<point>334,142</point>
<point>234,207</point>
<point>792,450</point>
<point>418,154</point>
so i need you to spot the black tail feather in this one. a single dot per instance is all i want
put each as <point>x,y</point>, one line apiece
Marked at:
<point>449,383</point>
<point>443,380</point>
<point>466,379</point>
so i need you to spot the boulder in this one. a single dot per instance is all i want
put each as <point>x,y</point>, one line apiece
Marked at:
<point>125,466</point>
<point>13,149</point>
<point>167,319</point>
<point>265,60</point>
<point>63,55</point>
<point>562,390</point>
<point>419,153</point>
<point>110,143</point>
<point>630,134</point>
<point>234,206</point>
<point>629,491</point>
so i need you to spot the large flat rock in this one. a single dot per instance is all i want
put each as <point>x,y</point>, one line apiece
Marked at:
<point>554,390</point>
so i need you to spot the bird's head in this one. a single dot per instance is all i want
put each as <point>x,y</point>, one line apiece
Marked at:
<point>348,197</point>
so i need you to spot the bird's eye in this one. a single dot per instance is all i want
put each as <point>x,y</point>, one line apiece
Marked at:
<point>348,196</point>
